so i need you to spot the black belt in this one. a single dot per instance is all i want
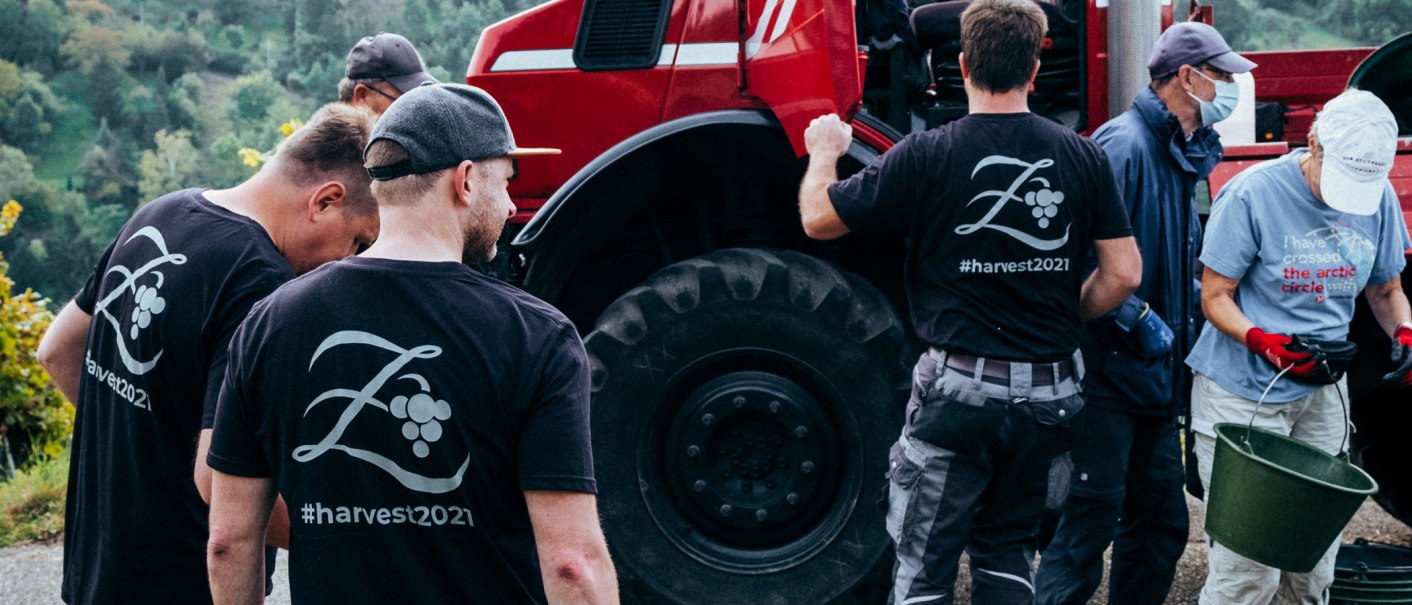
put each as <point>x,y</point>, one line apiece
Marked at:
<point>998,372</point>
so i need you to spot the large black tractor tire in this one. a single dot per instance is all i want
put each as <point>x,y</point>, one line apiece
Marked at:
<point>744,403</point>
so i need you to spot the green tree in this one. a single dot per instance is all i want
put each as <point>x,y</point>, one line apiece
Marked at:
<point>108,175</point>
<point>27,106</point>
<point>26,126</point>
<point>31,32</point>
<point>55,248</point>
<point>173,165</point>
<point>176,51</point>
<point>35,419</point>
<point>183,111</point>
<point>144,112</point>
<point>90,49</point>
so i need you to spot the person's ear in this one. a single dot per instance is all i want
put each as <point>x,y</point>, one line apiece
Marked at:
<point>328,198</point>
<point>965,71</point>
<point>360,95</point>
<point>463,183</point>
<point>1184,75</point>
<point>1033,74</point>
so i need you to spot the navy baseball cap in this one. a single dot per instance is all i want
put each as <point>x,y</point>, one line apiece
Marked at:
<point>387,57</point>
<point>441,125</point>
<point>1193,43</point>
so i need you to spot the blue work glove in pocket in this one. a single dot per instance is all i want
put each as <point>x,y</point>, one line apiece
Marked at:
<point>1147,333</point>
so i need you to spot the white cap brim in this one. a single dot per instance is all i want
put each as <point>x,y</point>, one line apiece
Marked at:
<point>1344,193</point>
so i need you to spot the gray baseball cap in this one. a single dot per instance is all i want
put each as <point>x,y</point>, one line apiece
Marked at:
<point>441,125</point>
<point>387,57</point>
<point>1193,43</point>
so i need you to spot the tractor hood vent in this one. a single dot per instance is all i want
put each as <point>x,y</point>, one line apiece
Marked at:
<point>620,34</point>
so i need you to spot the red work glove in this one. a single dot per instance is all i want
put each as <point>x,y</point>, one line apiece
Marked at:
<point>1401,357</point>
<point>1272,348</point>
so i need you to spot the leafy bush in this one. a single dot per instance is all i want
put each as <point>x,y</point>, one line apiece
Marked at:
<point>32,503</point>
<point>35,419</point>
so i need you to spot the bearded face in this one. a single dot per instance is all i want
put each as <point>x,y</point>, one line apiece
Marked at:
<point>490,208</point>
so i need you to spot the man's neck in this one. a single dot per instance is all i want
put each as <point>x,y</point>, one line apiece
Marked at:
<point>1176,100</point>
<point>259,199</point>
<point>408,233</point>
<point>1011,101</point>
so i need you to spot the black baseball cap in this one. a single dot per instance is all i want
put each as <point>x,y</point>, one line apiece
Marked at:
<point>1193,43</point>
<point>387,57</point>
<point>441,125</point>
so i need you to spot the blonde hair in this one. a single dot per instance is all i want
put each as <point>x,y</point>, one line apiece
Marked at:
<point>330,147</point>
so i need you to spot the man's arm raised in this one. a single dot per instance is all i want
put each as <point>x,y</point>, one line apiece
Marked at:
<point>827,139</point>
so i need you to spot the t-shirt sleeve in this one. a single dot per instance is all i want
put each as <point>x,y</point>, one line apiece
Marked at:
<point>555,449</point>
<point>234,306</point>
<point>1231,243</point>
<point>881,198</point>
<point>1393,242</point>
<point>1110,213</point>
<point>235,446</point>
<point>87,298</point>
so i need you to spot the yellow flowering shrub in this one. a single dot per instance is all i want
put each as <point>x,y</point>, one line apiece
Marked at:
<point>35,419</point>
<point>254,157</point>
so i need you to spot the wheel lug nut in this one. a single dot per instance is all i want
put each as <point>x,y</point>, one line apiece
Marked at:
<point>707,419</point>
<point>739,401</point>
<point>693,451</point>
<point>774,407</point>
<point>800,431</point>
<point>807,467</point>
<point>726,510</point>
<point>746,487</point>
<point>699,486</point>
<point>792,498</point>
<point>762,514</point>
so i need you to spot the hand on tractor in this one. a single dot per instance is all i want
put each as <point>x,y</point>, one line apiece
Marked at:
<point>1401,357</point>
<point>828,137</point>
<point>1272,348</point>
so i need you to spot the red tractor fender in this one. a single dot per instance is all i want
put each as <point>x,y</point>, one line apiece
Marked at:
<point>573,219</point>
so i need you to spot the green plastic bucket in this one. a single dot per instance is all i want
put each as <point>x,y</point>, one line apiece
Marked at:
<point>1367,572</point>
<point>1279,501</point>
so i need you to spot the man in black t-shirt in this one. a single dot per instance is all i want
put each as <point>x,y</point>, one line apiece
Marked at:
<point>999,210</point>
<point>427,424</point>
<point>141,351</point>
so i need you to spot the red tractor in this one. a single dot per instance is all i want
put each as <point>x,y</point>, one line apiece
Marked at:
<point>748,380</point>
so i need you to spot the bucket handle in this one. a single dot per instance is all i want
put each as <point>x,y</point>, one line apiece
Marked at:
<point>1343,405</point>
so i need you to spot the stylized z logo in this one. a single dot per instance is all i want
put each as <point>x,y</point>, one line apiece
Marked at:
<point>1044,202</point>
<point>148,303</point>
<point>421,411</point>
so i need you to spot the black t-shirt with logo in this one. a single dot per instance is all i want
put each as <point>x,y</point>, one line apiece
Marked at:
<point>402,409</point>
<point>166,298</point>
<point>1000,212</point>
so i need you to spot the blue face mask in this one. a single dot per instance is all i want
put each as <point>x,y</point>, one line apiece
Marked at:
<point>1219,108</point>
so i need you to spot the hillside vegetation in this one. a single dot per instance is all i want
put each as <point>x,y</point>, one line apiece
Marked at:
<point>105,104</point>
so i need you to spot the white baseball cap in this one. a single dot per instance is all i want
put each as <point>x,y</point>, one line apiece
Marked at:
<point>1359,137</point>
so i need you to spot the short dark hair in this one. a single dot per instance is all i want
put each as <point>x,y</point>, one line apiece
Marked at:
<point>1001,40</point>
<point>330,147</point>
<point>346,86</point>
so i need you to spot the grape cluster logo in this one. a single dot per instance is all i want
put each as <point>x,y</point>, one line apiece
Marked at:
<point>412,406</point>
<point>144,284</point>
<point>1043,200</point>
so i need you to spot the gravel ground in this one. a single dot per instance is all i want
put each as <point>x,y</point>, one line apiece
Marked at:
<point>30,574</point>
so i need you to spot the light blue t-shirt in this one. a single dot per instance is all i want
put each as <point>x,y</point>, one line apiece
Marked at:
<point>1301,266</point>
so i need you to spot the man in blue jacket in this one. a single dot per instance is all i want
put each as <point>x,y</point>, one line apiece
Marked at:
<point>1126,484</point>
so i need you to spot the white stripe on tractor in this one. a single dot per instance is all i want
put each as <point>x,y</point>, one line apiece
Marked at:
<point>704,53</point>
